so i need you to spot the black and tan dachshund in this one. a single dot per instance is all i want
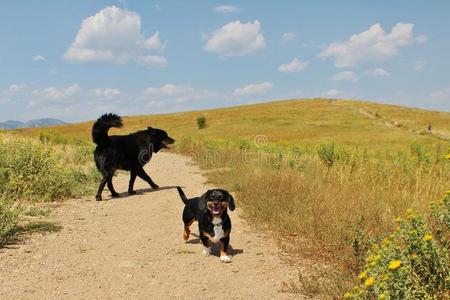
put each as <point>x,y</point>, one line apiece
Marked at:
<point>214,223</point>
<point>125,152</point>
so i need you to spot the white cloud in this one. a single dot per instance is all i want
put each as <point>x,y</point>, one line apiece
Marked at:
<point>172,93</point>
<point>287,37</point>
<point>113,35</point>
<point>53,72</point>
<point>104,93</point>
<point>14,88</point>
<point>373,44</point>
<point>154,42</point>
<point>252,89</point>
<point>332,93</point>
<point>53,93</point>
<point>418,65</point>
<point>235,39</point>
<point>39,58</point>
<point>378,72</point>
<point>226,8</point>
<point>12,92</point>
<point>421,39</point>
<point>153,61</point>
<point>294,66</point>
<point>345,76</point>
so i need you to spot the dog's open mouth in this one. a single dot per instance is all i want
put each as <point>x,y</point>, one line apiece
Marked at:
<point>167,144</point>
<point>215,211</point>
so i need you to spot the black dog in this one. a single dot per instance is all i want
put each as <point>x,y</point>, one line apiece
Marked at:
<point>125,152</point>
<point>214,224</point>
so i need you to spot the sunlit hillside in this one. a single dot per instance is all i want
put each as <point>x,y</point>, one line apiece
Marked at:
<point>300,122</point>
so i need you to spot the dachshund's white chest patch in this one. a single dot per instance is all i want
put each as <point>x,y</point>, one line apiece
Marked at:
<point>218,231</point>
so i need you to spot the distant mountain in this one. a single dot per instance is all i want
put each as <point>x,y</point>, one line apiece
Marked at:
<point>11,124</point>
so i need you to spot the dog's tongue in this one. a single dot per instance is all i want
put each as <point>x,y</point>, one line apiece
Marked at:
<point>215,211</point>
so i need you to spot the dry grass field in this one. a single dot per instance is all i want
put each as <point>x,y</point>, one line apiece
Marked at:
<point>328,177</point>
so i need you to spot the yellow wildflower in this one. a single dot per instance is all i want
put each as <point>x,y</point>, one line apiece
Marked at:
<point>382,297</point>
<point>347,295</point>
<point>448,156</point>
<point>369,281</point>
<point>362,275</point>
<point>427,237</point>
<point>385,242</point>
<point>395,264</point>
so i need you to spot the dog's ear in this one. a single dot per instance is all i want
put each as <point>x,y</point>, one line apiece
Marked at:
<point>202,202</point>
<point>231,203</point>
<point>149,128</point>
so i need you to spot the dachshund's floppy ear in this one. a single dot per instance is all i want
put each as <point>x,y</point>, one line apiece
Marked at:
<point>231,203</point>
<point>202,202</point>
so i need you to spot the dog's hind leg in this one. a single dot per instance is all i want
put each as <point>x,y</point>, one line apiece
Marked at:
<point>131,184</point>
<point>141,173</point>
<point>187,231</point>
<point>114,194</point>
<point>98,197</point>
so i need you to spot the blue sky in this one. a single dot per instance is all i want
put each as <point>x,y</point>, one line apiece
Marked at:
<point>74,60</point>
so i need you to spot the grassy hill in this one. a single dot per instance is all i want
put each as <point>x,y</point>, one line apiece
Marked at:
<point>294,122</point>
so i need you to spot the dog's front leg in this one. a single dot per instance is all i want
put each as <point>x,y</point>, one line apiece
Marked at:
<point>141,173</point>
<point>224,257</point>
<point>131,184</point>
<point>205,242</point>
<point>114,194</point>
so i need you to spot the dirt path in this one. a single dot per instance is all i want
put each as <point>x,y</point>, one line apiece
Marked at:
<point>132,248</point>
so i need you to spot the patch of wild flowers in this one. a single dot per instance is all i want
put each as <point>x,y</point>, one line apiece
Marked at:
<point>411,263</point>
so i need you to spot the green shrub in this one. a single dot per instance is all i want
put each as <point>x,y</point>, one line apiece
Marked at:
<point>408,264</point>
<point>201,122</point>
<point>327,154</point>
<point>8,221</point>
<point>32,170</point>
<point>441,214</point>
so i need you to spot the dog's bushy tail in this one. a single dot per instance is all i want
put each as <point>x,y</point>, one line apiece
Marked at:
<point>101,127</point>
<point>182,195</point>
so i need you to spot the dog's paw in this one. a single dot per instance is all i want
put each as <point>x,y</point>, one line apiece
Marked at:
<point>155,186</point>
<point>115,195</point>
<point>206,251</point>
<point>225,258</point>
<point>131,193</point>
<point>98,198</point>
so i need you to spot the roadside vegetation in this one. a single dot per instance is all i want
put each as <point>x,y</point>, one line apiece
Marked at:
<point>328,178</point>
<point>34,171</point>
<point>328,204</point>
